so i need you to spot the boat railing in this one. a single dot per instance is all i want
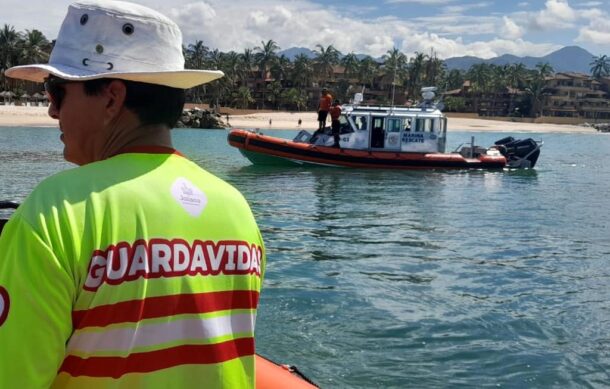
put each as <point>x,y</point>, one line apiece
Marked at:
<point>379,108</point>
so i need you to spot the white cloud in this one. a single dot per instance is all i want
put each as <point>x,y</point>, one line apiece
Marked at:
<point>510,29</point>
<point>557,15</point>
<point>241,24</point>
<point>447,48</point>
<point>462,8</point>
<point>598,30</point>
<point>591,4</point>
<point>424,2</point>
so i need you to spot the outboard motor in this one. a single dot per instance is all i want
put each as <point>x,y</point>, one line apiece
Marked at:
<point>519,153</point>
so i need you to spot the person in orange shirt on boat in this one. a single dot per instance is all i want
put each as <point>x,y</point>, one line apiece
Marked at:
<point>335,113</point>
<point>323,107</point>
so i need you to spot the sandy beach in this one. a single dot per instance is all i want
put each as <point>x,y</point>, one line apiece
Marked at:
<point>289,120</point>
<point>20,116</point>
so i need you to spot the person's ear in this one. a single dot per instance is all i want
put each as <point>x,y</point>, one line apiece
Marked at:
<point>115,93</point>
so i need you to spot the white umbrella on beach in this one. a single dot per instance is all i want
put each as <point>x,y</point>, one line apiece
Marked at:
<point>25,96</point>
<point>37,96</point>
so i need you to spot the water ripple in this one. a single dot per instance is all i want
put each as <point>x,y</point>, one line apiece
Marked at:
<point>383,279</point>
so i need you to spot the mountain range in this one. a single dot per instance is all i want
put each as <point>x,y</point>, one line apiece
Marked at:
<point>567,59</point>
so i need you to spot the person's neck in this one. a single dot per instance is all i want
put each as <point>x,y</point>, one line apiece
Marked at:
<point>129,133</point>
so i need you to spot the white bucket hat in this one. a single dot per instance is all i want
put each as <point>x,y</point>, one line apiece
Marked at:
<point>115,39</point>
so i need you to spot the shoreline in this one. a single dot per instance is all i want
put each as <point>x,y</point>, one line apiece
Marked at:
<point>23,116</point>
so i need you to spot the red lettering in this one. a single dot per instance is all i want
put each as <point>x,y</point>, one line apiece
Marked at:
<point>170,258</point>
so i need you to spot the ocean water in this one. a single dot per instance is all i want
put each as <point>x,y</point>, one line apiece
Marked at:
<point>393,279</point>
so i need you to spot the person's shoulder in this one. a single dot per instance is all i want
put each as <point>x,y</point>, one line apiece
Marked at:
<point>79,180</point>
<point>52,192</point>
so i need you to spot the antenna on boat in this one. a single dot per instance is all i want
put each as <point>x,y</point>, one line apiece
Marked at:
<point>393,90</point>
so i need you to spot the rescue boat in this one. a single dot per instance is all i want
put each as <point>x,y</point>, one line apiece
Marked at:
<point>269,374</point>
<point>386,138</point>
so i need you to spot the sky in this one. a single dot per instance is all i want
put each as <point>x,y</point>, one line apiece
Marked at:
<point>451,28</point>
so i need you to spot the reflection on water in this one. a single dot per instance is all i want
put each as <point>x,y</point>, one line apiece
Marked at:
<point>420,278</point>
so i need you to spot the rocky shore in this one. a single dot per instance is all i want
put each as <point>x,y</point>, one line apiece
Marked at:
<point>602,127</point>
<point>200,118</point>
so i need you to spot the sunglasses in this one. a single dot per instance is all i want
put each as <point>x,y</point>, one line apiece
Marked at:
<point>55,90</point>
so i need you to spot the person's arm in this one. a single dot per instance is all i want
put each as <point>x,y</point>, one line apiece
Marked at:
<point>36,308</point>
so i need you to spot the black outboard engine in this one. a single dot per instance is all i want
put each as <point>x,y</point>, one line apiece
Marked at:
<point>519,153</point>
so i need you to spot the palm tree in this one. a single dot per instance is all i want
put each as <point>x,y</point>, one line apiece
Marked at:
<point>480,76</point>
<point>247,64</point>
<point>195,58</point>
<point>535,89</point>
<point>600,67</point>
<point>544,70</point>
<point>516,74</point>
<point>434,70</point>
<point>302,71</point>
<point>275,93</point>
<point>350,62</point>
<point>280,67</point>
<point>231,65</point>
<point>393,71</point>
<point>498,86</point>
<point>325,60</point>
<point>196,54</point>
<point>367,71</point>
<point>10,48</point>
<point>296,97</point>
<point>36,47</point>
<point>265,55</point>
<point>416,74</point>
<point>453,80</point>
<point>394,68</point>
<point>243,97</point>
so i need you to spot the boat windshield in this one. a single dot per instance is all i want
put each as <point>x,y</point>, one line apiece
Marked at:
<point>345,128</point>
<point>360,122</point>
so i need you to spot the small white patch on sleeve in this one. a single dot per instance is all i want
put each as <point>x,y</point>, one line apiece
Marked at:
<point>191,198</point>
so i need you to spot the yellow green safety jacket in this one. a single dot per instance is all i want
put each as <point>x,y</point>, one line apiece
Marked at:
<point>142,270</point>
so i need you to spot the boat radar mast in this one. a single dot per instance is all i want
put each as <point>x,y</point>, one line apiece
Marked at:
<point>428,94</point>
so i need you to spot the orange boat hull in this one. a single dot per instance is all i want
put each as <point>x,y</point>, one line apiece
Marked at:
<point>261,148</point>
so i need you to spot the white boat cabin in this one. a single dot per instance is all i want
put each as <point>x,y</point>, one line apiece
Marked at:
<point>418,130</point>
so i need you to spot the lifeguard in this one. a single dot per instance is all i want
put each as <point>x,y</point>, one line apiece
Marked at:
<point>137,268</point>
<point>323,108</point>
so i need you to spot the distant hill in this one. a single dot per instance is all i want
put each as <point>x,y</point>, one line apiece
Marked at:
<point>567,59</point>
<point>292,52</point>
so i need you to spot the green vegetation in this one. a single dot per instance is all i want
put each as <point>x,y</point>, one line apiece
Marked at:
<point>261,78</point>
